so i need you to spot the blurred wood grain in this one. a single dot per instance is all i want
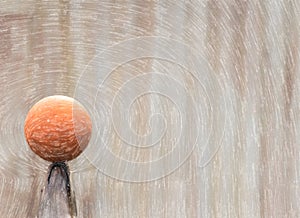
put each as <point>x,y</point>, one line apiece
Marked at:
<point>251,46</point>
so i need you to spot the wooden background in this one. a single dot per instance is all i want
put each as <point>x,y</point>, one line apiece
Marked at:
<point>226,71</point>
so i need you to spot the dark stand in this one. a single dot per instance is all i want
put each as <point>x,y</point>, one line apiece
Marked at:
<point>58,200</point>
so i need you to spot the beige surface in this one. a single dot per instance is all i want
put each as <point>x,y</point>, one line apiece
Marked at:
<point>225,71</point>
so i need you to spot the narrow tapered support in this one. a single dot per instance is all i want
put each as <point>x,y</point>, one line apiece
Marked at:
<point>58,200</point>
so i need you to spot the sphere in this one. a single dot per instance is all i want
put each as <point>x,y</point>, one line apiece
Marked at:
<point>58,128</point>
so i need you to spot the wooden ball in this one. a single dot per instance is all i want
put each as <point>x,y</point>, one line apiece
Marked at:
<point>58,128</point>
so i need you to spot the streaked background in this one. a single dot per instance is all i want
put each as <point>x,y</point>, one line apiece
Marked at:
<point>194,105</point>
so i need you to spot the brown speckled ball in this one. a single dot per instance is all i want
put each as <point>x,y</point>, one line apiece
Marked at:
<point>58,128</point>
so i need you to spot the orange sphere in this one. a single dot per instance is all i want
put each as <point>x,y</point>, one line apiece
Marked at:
<point>58,128</point>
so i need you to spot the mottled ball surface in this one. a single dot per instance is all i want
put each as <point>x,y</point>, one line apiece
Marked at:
<point>58,128</point>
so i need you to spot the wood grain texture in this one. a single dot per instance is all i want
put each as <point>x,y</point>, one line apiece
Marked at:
<point>137,66</point>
